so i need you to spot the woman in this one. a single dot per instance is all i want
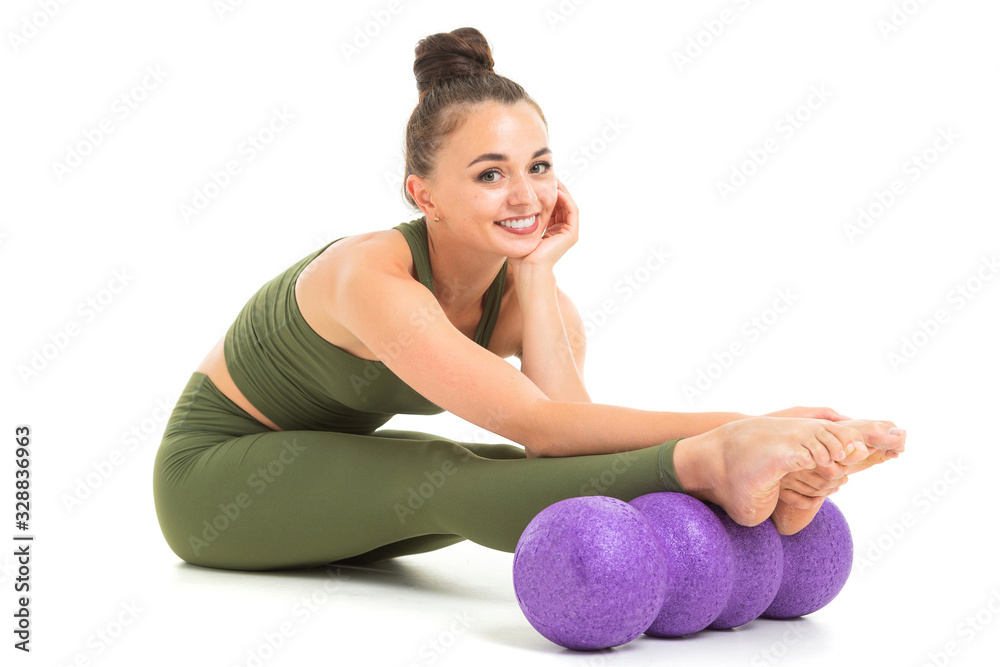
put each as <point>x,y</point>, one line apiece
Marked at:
<point>274,458</point>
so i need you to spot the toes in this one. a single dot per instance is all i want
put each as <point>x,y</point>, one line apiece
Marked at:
<point>827,447</point>
<point>857,454</point>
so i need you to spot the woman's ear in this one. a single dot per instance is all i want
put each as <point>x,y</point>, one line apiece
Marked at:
<point>417,187</point>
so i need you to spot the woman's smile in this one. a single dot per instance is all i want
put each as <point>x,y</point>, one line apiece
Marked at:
<point>523,225</point>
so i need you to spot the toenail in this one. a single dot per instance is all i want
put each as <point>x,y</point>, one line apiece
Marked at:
<point>849,450</point>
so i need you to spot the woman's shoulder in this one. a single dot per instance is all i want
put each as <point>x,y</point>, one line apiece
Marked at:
<point>379,249</point>
<point>335,269</point>
<point>343,260</point>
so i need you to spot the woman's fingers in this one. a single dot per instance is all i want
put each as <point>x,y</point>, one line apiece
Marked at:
<point>828,413</point>
<point>800,486</point>
<point>812,482</point>
<point>799,501</point>
<point>831,472</point>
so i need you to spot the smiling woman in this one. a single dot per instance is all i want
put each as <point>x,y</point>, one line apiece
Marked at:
<point>275,455</point>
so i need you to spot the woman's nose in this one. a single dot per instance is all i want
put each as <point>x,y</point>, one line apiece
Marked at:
<point>521,191</point>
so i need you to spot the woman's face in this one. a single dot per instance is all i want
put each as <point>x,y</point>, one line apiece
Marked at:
<point>495,166</point>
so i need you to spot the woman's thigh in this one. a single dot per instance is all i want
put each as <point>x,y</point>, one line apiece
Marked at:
<point>281,499</point>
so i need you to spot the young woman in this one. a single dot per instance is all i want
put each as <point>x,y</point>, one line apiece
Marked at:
<point>274,457</point>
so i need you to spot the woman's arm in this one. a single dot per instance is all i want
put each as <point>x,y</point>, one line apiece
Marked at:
<point>548,357</point>
<point>399,320</point>
<point>555,365</point>
<point>576,429</point>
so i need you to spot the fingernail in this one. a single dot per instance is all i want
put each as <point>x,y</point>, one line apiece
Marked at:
<point>859,445</point>
<point>849,449</point>
<point>897,431</point>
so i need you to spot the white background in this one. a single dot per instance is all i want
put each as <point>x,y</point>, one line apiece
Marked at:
<point>660,135</point>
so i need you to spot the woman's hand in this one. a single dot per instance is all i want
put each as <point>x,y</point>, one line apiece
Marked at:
<point>804,489</point>
<point>560,234</point>
<point>812,413</point>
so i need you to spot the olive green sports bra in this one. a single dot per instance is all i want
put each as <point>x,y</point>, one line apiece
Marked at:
<point>301,381</point>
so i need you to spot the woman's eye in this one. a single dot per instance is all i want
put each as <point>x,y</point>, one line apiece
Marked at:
<point>493,172</point>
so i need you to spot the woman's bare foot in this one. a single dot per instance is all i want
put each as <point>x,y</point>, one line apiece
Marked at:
<point>802,493</point>
<point>739,465</point>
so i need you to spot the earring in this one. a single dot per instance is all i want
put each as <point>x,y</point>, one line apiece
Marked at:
<point>437,219</point>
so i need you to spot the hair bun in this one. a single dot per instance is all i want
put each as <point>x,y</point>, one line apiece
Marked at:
<point>445,55</point>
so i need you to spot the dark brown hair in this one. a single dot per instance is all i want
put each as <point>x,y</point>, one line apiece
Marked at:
<point>454,73</point>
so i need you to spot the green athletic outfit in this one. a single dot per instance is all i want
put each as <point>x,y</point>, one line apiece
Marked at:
<point>232,493</point>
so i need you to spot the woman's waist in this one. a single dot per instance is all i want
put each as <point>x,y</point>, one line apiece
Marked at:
<point>203,407</point>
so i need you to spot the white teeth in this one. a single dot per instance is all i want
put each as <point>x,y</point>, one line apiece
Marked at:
<point>519,224</point>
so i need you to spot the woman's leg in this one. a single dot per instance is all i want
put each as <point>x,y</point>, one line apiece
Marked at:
<point>425,543</point>
<point>278,499</point>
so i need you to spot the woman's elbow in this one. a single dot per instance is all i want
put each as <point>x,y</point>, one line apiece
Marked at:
<point>536,430</point>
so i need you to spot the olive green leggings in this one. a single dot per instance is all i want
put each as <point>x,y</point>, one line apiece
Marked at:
<point>231,493</point>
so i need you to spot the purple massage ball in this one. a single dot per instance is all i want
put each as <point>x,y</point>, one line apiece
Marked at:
<point>699,557</point>
<point>757,566</point>
<point>589,573</point>
<point>817,562</point>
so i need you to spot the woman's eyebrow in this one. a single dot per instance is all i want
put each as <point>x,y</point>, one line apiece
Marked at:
<point>500,157</point>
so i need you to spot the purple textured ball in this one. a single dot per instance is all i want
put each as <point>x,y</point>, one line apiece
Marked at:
<point>757,567</point>
<point>589,573</point>
<point>699,557</point>
<point>817,562</point>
